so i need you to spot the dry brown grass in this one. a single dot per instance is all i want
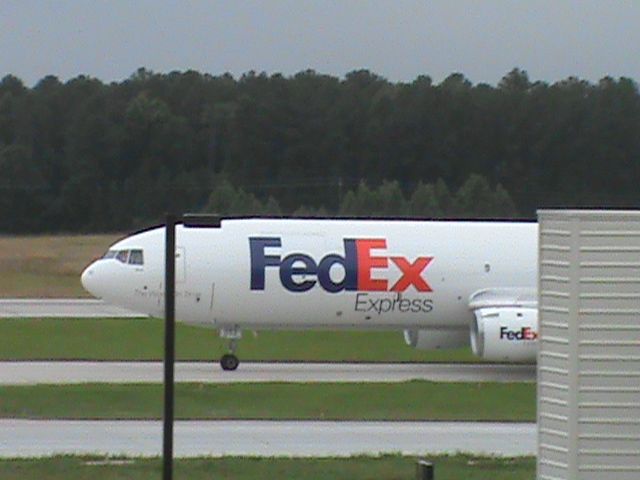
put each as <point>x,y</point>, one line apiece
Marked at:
<point>48,266</point>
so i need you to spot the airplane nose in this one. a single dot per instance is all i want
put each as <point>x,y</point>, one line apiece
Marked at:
<point>88,279</point>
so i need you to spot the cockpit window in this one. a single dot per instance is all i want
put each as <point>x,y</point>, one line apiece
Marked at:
<point>122,256</point>
<point>132,257</point>
<point>136,257</point>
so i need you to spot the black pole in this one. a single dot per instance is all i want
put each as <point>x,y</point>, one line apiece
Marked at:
<point>169,344</point>
<point>425,470</point>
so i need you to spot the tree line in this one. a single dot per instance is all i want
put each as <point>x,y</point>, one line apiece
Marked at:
<point>474,199</point>
<point>85,155</point>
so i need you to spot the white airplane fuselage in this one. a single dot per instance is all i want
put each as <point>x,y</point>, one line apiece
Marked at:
<point>295,273</point>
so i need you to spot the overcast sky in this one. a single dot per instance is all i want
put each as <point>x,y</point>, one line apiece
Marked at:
<point>398,39</point>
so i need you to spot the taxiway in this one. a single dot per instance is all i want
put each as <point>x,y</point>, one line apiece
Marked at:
<point>62,308</point>
<point>29,438</point>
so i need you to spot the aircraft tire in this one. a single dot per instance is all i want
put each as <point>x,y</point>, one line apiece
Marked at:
<point>229,362</point>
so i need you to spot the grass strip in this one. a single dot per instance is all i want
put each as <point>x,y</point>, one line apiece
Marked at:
<point>415,400</point>
<point>48,266</point>
<point>142,339</point>
<point>388,467</point>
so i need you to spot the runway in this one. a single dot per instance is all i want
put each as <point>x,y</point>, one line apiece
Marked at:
<point>62,307</point>
<point>29,373</point>
<point>28,438</point>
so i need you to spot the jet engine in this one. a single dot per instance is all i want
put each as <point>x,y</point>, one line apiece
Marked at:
<point>434,339</point>
<point>505,334</point>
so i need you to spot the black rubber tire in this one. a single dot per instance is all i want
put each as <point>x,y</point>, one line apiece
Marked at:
<point>229,362</point>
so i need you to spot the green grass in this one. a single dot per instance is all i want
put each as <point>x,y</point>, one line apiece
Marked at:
<point>48,266</point>
<point>40,285</point>
<point>415,400</point>
<point>142,339</point>
<point>388,467</point>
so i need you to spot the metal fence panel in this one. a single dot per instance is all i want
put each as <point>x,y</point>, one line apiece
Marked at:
<point>589,348</point>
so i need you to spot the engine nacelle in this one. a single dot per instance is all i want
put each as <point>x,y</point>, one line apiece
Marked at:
<point>435,339</point>
<point>505,334</point>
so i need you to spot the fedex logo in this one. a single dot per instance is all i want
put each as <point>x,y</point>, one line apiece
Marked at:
<point>362,258</point>
<point>525,333</point>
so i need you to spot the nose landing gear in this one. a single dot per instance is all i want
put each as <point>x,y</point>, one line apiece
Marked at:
<point>229,361</point>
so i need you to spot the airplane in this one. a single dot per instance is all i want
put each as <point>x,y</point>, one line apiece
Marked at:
<point>445,284</point>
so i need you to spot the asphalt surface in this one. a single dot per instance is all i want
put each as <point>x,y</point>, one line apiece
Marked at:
<point>67,308</point>
<point>34,372</point>
<point>29,438</point>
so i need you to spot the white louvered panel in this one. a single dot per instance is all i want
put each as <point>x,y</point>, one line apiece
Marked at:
<point>589,355</point>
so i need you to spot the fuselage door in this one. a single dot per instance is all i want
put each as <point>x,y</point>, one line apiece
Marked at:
<point>181,265</point>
